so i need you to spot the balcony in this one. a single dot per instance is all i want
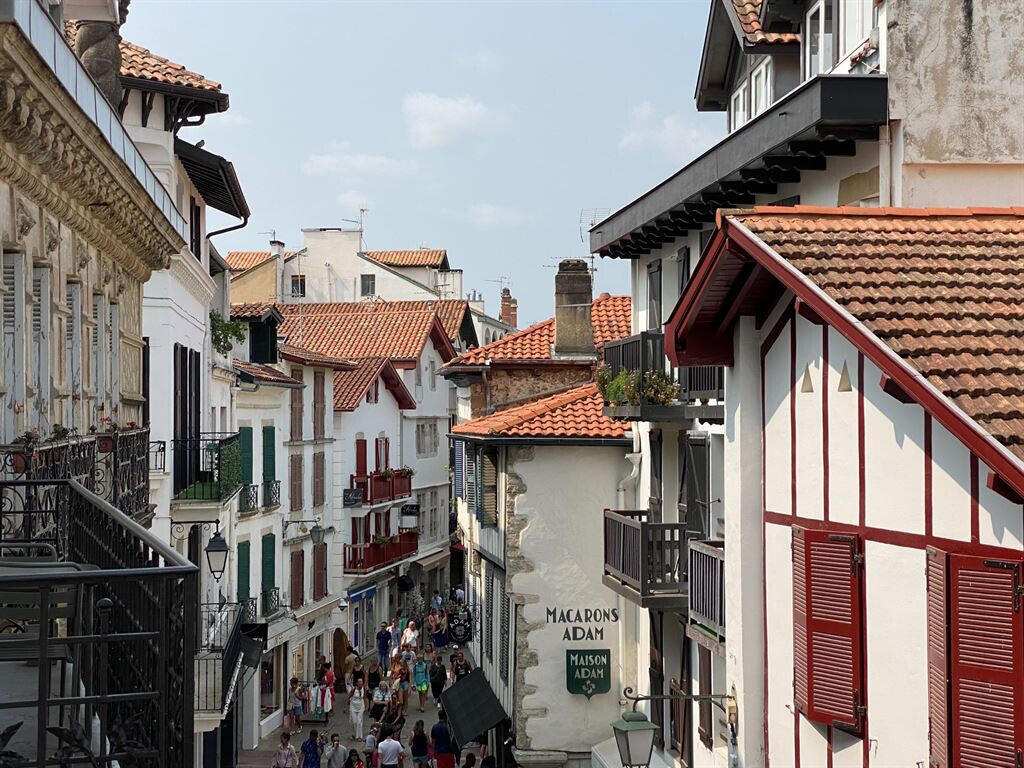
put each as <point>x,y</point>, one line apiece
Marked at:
<point>98,636</point>
<point>224,649</point>
<point>637,388</point>
<point>645,561</point>
<point>270,602</point>
<point>158,456</point>
<point>271,493</point>
<point>249,499</point>
<point>207,468</point>
<point>385,485</point>
<point>364,558</point>
<point>707,586</point>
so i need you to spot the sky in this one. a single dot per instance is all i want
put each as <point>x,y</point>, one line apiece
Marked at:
<point>485,128</point>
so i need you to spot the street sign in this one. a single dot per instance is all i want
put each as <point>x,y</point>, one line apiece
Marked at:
<point>588,672</point>
<point>351,497</point>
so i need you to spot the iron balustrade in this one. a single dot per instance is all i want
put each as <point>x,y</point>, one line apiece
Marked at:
<point>74,456</point>
<point>103,612</point>
<point>645,352</point>
<point>157,455</point>
<point>383,485</point>
<point>217,658</point>
<point>270,601</point>
<point>647,557</point>
<point>707,585</point>
<point>363,558</point>
<point>271,493</point>
<point>208,467</point>
<point>249,499</point>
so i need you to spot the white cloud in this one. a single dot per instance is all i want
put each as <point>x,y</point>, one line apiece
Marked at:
<point>477,60</point>
<point>341,160</point>
<point>353,200</point>
<point>669,134</point>
<point>488,215</point>
<point>436,121</point>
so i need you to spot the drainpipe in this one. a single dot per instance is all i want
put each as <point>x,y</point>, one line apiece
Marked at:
<point>227,229</point>
<point>628,483</point>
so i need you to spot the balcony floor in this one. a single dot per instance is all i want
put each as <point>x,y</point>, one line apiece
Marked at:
<point>667,601</point>
<point>21,682</point>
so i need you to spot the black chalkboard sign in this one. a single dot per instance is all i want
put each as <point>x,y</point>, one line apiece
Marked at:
<point>352,497</point>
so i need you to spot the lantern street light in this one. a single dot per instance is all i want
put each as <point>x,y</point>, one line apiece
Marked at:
<point>217,555</point>
<point>316,533</point>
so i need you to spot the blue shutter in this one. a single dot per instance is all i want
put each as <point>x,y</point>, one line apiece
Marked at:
<point>470,475</point>
<point>459,470</point>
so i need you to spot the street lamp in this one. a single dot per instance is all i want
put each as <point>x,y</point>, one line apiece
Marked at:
<point>316,533</point>
<point>217,555</point>
<point>634,736</point>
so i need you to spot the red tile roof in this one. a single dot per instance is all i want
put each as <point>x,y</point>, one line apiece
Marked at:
<point>265,374</point>
<point>252,310</point>
<point>373,329</point>
<point>573,413</point>
<point>610,316</point>
<point>449,311</point>
<point>943,288</point>
<point>310,357</point>
<point>420,257</point>
<point>350,386</point>
<point>748,14</point>
<point>241,261</point>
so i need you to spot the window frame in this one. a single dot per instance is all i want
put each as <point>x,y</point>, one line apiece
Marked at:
<point>298,281</point>
<point>764,71</point>
<point>654,295</point>
<point>825,39</point>
<point>867,23</point>
<point>739,99</point>
<point>367,280</point>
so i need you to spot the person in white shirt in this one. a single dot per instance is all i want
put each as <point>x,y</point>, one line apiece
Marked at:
<point>411,636</point>
<point>460,594</point>
<point>389,751</point>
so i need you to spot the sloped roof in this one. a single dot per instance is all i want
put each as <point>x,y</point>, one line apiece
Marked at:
<point>572,413</point>
<point>265,374</point>
<point>374,329</point>
<point>418,257</point>
<point>257,310</point>
<point>310,357</point>
<point>610,316</point>
<point>241,261</point>
<point>450,312</point>
<point>350,386</point>
<point>748,15</point>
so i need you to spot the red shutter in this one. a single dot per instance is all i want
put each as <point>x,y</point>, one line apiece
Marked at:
<point>298,584</point>
<point>986,653</point>
<point>387,452</point>
<point>799,620</point>
<point>360,456</point>
<point>320,571</point>
<point>378,454</point>
<point>938,660</point>
<point>295,482</point>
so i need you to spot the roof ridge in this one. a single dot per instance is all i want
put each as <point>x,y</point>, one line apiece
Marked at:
<point>878,212</point>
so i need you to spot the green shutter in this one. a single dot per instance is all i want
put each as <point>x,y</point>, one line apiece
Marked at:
<point>245,437</point>
<point>269,547</point>
<point>269,456</point>
<point>243,571</point>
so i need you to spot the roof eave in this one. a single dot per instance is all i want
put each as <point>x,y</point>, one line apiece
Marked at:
<point>194,158</point>
<point>210,101</point>
<point>552,441</point>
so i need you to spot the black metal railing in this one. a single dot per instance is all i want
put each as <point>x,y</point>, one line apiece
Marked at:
<point>271,493</point>
<point>99,608</point>
<point>645,352</point>
<point>647,557</point>
<point>122,470</point>
<point>208,467</point>
<point>270,601</point>
<point>74,456</point>
<point>707,585</point>
<point>217,659</point>
<point>702,382</point>
<point>249,499</point>
<point>157,455</point>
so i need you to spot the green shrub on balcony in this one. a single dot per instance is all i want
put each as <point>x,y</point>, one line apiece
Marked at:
<point>625,388</point>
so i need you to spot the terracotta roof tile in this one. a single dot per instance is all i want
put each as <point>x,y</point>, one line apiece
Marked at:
<point>252,309</point>
<point>610,316</point>
<point>240,261</point>
<point>350,386</point>
<point>573,413</point>
<point>419,257</point>
<point>362,329</point>
<point>449,311</point>
<point>943,288</point>
<point>310,357</point>
<point>264,373</point>
<point>748,13</point>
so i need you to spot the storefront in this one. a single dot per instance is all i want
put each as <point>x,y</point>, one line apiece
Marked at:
<point>363,617</point>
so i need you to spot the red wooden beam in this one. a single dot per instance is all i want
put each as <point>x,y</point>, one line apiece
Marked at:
<point>807,312</point>
<point>892,388</point>
<point>996,484</point>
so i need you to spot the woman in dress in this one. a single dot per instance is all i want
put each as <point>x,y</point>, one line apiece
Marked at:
<point>438,677</point>
<point>374,674</point>
<point>354,759</point>
<point>357,703</point>
<point>441,632</point>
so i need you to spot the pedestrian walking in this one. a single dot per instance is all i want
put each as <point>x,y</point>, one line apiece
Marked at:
<point>461,667</point>
<point>284,756</point>
<point>411,636</point>
<point>354,760</point>
<point>357,701</point>
<point>441,739</point>
<point>396,636</point>
<point>389,751</point>
<point>383,644</point>
<point>421,679</point>
<point>312,750</point>
<point>358,673</point>
<point>419,745</point>
<point>436,602</point>
<point>295,705</point>
<point>374,674</point>
<point>335,752</point>
<point>438,677</point>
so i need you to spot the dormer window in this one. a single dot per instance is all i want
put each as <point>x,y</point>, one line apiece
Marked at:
<point>263,342</point>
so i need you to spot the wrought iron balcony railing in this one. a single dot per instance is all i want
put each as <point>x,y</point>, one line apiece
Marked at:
<point>643,560</point>
<point>218,659</point>
<point>157,455</point>
<point>99,609</point>
<point>270,601</point>
<point>707,585</point>
<point>271,493</point>
<point>364,558</point>
<point>208,467</point>
<point>386,485</point>
<point>249,499</point>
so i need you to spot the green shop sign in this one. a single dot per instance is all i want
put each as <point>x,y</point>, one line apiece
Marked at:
<point>588,672</point>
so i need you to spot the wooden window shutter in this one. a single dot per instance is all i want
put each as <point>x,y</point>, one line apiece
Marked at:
<point>378,454</point>
<point>269,454</point>
<point>296,407</point>
<point>832,616</point>
<point>269,544</point>
<point>318,405</point>
<point>489,613</point>
<point>489,487</point>
<point>295,482</point>
<point>360,456</point>
<point>245,440</point>
<point>938,659</point>
<point>705,722</point>
<point>387,452</point>
<point>470,457</point>
<point>460,487</point>
<point>298,578</point>
<point>800,674</point>
<point>242,582</point>
<point>318,478</point>
<point>987,661</point>
<point>320,571</point>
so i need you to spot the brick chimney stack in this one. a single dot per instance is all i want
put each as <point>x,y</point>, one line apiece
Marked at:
<point>509,313</point>
<point>574,332</point>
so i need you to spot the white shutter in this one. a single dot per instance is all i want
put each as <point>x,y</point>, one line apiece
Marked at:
<point>14,340</point>
<point>41,346</point>
<point>115,359</point>
<point>99,357</point>
<point>73,351</point>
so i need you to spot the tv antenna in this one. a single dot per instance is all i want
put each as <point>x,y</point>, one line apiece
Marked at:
<point>589,217</point>
<point>271,232</point>
<point>503,281</point>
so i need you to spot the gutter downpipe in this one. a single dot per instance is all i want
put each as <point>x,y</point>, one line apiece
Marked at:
<point>629,482</point>
<point>227,229</point>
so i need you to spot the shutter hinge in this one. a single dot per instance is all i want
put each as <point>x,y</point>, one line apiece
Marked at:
<point>1020,759</point>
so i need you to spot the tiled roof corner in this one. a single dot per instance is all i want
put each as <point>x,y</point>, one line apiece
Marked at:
<point>265,374</point>
<point>241,261</point>
<point>417,257</point>
<point>748,14</point>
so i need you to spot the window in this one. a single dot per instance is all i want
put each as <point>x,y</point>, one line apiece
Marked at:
<point>367,285</point>
<point>242,581</point>
<point>268,551</point>
<point>434,515</point>
<point>245,444</point>
<point>319,406</point>
<point>828,645</point>
<point>298,582</point>
<point>705,729</point>
<point>738,107</point>
<point>73,356</point>
<point>487,513</point>
<point>656,476</point>
<point>761,87</point>
<point>145,380</point>
<point>13,338</point>
<point>320,571</point>
<point>41,346</point>
<point>361,456</point>
<point>114,358</point>
<point>470,471</point>
<point>426,438</point>
<point>817,39</point>
<point>298,286</point>
<point>382,451</point>
<point>195,221</point>
<point>295,482</point>
<point>98,352</point>
<point>295,406</point>
<point>263,342</point>
<point>856,18</point>
<point>975,659</point>
<point>654,295</point>
<point>419,375</point>
<point>682,267</point>
<point>656,673</point>
<point>433,375</point>
<point>460,470</point>
<point>319,479</point>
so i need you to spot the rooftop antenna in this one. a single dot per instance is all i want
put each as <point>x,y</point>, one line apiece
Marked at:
<point>589,217</point>
<point>271,232</point>
<point>501,280</point>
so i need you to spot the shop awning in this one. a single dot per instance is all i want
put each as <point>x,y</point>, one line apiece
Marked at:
<point>362,593</point>
<point>472,707</point>
<point>428,561</point>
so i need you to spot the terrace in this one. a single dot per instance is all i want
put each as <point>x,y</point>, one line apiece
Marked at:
<point>381,486</point>
<point>207,468</point>
<point>383,552</point>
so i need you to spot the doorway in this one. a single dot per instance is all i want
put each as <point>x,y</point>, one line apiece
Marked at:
<point>340,650</point>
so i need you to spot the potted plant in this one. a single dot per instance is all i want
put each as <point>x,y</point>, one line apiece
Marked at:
<point>105,444</point>
<point>24,452</point>
<point>405,471</point>
<point>387,473</point>
<point>60,432</point>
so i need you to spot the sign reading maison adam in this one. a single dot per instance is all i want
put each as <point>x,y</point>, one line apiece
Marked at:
<point>588,671</point>
<point>583,623</point>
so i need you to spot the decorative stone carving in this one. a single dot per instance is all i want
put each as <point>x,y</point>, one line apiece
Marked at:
<point>24,220</point>
<point>81,253</point>
<point>51,236</point>
<point>98,45</point>
<point>106,272</point>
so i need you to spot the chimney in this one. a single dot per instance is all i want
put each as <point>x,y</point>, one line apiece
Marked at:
<point>277,248</point>
<point>509,308</point>
<point>574,333</point>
